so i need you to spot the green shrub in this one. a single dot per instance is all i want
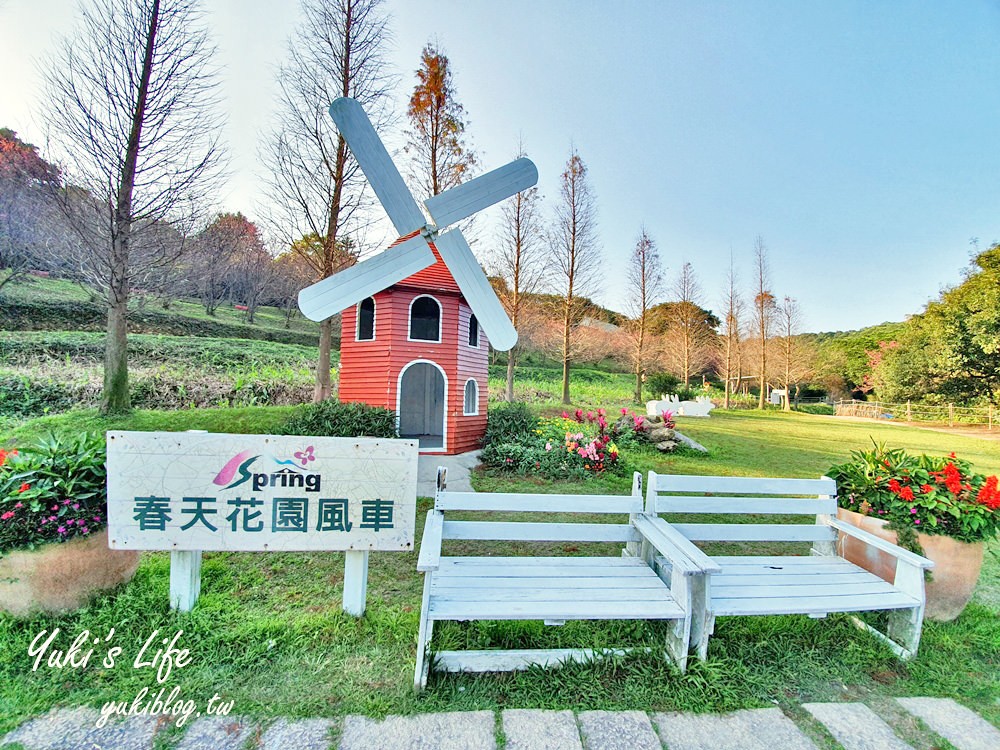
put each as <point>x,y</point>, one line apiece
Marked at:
<point>53,491</point>
<point>510,423</point>
<point>661,383</point>
<point>335,419</point>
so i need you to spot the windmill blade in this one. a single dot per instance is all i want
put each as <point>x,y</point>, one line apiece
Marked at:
<point>350,286</point>
<point>457,255</point>
<point>461,202</point>
<point>377,165</point>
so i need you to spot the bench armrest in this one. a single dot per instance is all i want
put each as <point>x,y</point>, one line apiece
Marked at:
<point>881,544</point>
<point>673,545</point>
<point>430,545</point>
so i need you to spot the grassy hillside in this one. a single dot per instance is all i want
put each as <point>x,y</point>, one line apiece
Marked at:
<point>57,304</point>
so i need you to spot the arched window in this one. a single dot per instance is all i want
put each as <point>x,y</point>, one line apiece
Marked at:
<point>471,406</point>
<point>366,320</point>
<point>473,331</point>
<point>425,319</point>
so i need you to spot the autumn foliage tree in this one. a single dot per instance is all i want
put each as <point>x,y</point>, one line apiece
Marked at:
<point>29,223</point>
<point>442,158</point>
<point>763,309</point>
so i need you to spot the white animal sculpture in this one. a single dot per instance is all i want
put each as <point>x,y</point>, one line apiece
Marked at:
<point>700,407</point>
<point>333,294</point>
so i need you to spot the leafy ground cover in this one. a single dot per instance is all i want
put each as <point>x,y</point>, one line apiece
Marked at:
<point>268,632</point>
<point>45,372</point>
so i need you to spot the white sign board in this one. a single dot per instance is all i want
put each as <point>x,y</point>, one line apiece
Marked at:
<point>200,491</point>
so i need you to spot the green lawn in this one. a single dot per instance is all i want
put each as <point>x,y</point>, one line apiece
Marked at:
<point>268,631</point>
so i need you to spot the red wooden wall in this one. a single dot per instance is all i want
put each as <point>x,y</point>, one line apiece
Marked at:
<point>370,370</point>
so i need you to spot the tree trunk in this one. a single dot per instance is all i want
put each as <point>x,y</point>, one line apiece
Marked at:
<point>638,382</point>
<point>565,355</point>
<point>510,376</point>
<point>115,398</point>
<point>323,388</point>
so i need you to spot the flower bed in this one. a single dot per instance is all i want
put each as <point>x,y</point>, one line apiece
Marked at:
<point>570,446</point>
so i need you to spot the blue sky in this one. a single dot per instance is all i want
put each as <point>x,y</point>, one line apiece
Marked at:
<point>859,139</point>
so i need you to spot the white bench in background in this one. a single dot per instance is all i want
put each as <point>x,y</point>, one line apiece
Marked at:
<point>553,589</point>
<point>813,585</point>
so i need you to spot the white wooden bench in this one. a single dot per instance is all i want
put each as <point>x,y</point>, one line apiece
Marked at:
<point>553,589</point>
<point>814,584</point>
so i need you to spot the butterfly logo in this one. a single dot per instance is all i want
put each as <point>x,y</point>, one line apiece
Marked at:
<point>304,457</point>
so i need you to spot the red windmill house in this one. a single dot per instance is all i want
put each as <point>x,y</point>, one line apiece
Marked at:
<point>416,317</point>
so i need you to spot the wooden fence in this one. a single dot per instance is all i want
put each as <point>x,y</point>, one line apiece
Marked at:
<point>911,412</point>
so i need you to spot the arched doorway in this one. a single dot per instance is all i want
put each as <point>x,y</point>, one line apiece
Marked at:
<point>421,400</point>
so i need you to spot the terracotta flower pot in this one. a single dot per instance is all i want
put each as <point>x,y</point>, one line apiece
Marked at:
<point>62,577</point>
<point>956,564</point>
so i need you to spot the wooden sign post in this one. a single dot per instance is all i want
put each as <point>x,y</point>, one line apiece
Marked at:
<point>189,492</point>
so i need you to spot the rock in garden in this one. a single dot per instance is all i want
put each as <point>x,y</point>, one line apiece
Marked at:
<point>666,446</point>
<point>660,434</point>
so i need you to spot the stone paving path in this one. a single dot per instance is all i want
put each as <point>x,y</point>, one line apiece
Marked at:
<point>459,468</point>
<point>852,726</point>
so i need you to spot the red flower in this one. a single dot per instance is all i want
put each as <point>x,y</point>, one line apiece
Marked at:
<point>24,487</point>
<point>906,494</point>
<point>894,486</point>
<point>926,489</point>
<point>988,494</point>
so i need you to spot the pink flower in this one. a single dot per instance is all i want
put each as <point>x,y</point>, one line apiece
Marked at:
<point>67,501</point>
<point>54,507</point>
<point>624,410</point>
<point>565,415</point>
<point>916,520</point>
<point>19,505</point>
<point>61,529</point>
<point>601,412</point>
<point>97,518</point>
<point>548,447</point>
<point>913,510</point>
<point>8,515</point>
<point>85,530</point>
<point>76,506</point>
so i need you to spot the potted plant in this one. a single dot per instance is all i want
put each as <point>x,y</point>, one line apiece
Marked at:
<point>53,526</point>
<point>937,507</point>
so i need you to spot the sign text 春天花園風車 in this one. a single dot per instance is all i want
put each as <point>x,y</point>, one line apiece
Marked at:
<point>201,491</point>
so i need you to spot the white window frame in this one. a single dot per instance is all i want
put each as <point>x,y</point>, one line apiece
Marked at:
<point>479,331</point>
<point>357,320</point>
<point>409,320</point>
<point>465,388</point>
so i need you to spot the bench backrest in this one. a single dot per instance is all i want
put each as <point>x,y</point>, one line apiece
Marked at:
<point>534,531</point>
<point>687,494</point>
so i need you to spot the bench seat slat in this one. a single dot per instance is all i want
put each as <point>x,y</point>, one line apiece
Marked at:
<point>645,591</point>
<point>730,563</point>
<point>518,531</point>
<point>744,485</point>
<point>824,604</point>
<point>791,577</point>
<point>543,567</point>
<point>574,610</point>
<point>781,588</point>
<point>534,503</point>
<point>769,505</point>
<point>753,532</point>
<point>579,582</point>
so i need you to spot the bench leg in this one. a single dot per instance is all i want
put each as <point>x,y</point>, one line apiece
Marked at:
<point>905,625</point>
<point>424,640</point>
<point>679,636</point>
<point>702,621</point>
